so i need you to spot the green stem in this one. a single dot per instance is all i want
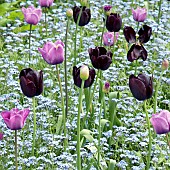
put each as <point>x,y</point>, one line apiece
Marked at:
<point>150,142</point>
<point>159,13</point>
<point>167,139</point>
<point>136,63</point>
<point>156,91</point>
<point>46,20</point>
<point>102,32</point>
<point>16,153</point>
<point>78,126</point>
<point>137,27</point>
<point>63,110</point>
<point>34,131</point>
<point>30,42</point>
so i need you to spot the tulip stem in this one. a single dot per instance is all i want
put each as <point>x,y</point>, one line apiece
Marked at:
<point>30,42</point>
<point>103,32</point>
<point>63,110</point>
<point>46,20</point>
<point>16,162</point>
<point>150,142</point>
<point>34,132</point>
<point>78,127</point>
<point>167,138</point>
<point>136,63</point>
<point>159,13</point>
<point>75,40</point>
<point>156,91</point>
<point>137,27</point>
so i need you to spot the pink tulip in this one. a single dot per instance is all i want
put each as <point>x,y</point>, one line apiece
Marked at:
<point>1,136</point>
<point>139,14</point>
<point>108,38</point>
<point>45,3</point>
<point>32,15</point>
<point>161,122</point>
<point>15,118</point>
<point>53,53</point>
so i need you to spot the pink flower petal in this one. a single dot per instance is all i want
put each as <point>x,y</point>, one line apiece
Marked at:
<point>59,42</point>
<point>6,114</point>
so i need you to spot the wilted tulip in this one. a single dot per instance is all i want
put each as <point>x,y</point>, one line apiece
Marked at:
<point>161,122</point>
<point>45,3</point>
<point>31,82</point>
<point>15,118</point>
<point>85,15</point>
<point>136,52</point>
<point>108,38</point>
<point>144,34</point>
<point>100,58</point>
<point>113,22</point>
<point>53,53</point>
<point>32,15</point>
<point>78,80</point>
<point>139,14</point>
<point>130,34</point>
<point>141,86</point>
<point>1,136</point>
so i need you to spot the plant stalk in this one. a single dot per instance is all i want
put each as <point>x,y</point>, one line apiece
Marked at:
<point>30,42</point>
<point>34,130</point>
<point>16,153</point>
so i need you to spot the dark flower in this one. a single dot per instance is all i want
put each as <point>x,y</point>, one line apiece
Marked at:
<point>78,80</point>
<point>113,22</point>
<point>136,52</point>
<point>85,15</point>
<point>144,34</point>
<point>107,8</point>
<point>141,86</point>
<point>130,34</point>
<point>100,58</point>
<point>31,82</point>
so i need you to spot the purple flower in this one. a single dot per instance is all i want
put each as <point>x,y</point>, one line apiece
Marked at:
<point>161,122</point>
<point>107,8</point>
<point>108,38</point>
<point>1,136</point>
<point>15,118</point>
<point>32,15</point>
<point>53,53</point>
<point>106,87</point>
<point>139,14</point>
<point>45,3</point>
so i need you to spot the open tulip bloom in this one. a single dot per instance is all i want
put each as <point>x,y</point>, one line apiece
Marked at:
<point>45,3</point>
<point>53,53</point>
<point>108,38</point>
<point>139,14</point>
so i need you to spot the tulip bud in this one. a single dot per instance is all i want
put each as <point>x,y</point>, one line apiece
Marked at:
<point>84,72</point>
<point>69,13</point>
<point>165,64</point>
<point>1,136</point>
<point>106,87</point>
<point>107,9</point>
<point>83,2</point>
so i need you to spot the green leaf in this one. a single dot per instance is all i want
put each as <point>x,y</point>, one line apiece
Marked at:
<point>85,132</point>
<point>103,122</point>
<point>16,14</point>
<point>24,28</point>
<point>89,138</point>
<point>4,21</point>
<point>59,124</point>
<point>112,164</point>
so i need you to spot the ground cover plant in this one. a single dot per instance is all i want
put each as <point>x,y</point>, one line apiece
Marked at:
<point>84,84</point>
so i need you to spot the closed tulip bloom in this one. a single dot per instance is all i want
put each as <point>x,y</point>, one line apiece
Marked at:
<point>31,82</point>
<point>32,15</point>
<point>161,122</point>
<point>15,118</point>
<point>100,58</point>
<point>85,15</point>
<point>113,22</point>
<point>1,136</point>
<point>144,34</point>
<point>139,14</point>
<point>136,52</point>
<point>53,53</point>
<point>141,86</point>
<point>130,34</point>
<point>45,3</point>
<point>108,38</point>
<point>78,80</point>
<point>107,8</point>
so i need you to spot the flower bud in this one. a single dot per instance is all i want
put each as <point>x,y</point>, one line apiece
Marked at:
<point>83,2</point>
<point>69,13</point>
<point>84,72</point>
<point>106,87</point>
<point>165,64</point>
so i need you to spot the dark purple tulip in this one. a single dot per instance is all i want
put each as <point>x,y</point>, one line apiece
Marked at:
<point>100,58</point>
<point>113,22</point>
<point>136,52</point>
<point>141,86</point>
<point>130,34</point>
<point>31,82</point>
<point>144,34</point>
<point>85,15</point>
<point>78,80</point>
<point>107,8</point>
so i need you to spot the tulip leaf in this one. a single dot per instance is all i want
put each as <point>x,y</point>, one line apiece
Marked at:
<point>16,14</point>
<point>85,132</point>
<point>112,164</point>
<point>24,28</point>
<point>103,122</point>
<point>89,138</point>
<point>59,124</point>
<point>4,21</point>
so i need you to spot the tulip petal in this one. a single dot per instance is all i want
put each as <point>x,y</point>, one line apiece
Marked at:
<point>130,34</point>
<point>59,42</point>
<point>6,114</point>
<point>24,113</point>
<point>145,34</point>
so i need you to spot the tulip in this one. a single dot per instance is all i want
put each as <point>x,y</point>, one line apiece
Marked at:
<point>53,53</point>
<point>107,8</point>
<point>45,3</point>
<point>113,22</point>
<point>136,52</point>
<point>85,15</point>
<point>100,58</point>
<point>31,82</point>
<point>78,80</point>
<point>84,72</point>
<point>144,34</point>
<point>165,64</point>
<point>139,14</point>
<point>1,136</point>
<point>108,38</point>
<point>106,87</point>
<point>15,118</point>
<point>130,34</point>
<point>161,122</point>
<point>32,15</point>
<point>141,86</point>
